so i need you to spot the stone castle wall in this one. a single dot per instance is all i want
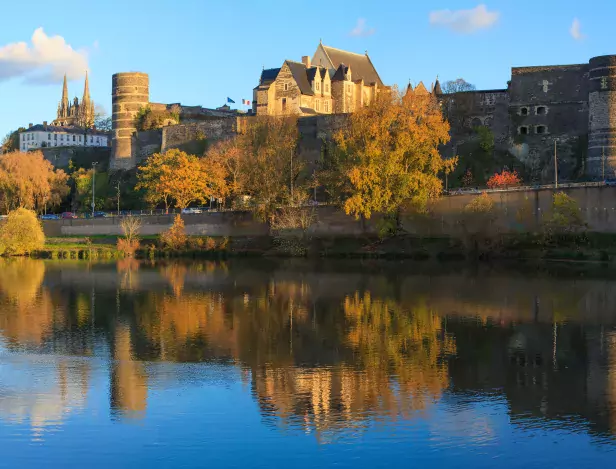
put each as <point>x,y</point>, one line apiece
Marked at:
<point>597,207</point>
<point>570,110</point>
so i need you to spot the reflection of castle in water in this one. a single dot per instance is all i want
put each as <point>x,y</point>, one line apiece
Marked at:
<point>329,351</point>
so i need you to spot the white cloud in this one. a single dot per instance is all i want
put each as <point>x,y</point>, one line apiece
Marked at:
<point>465,21</point>
<point>576,30</point>
<point>360,29</point>
<point>45,60</point>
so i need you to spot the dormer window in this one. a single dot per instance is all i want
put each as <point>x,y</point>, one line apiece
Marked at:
<point>317,86</point>
<point>286,87</point>
<point>326,87</point>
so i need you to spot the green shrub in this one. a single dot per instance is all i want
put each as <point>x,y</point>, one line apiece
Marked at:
<point>21,234</point>
<point>565,216</point>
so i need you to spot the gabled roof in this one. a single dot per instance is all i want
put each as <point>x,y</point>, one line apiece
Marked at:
<point>421,89</point>
<point>362,66</point>
<point>298,70</point>
<point>313,71</point>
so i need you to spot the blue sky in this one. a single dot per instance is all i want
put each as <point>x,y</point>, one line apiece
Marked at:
<point>198,52</point>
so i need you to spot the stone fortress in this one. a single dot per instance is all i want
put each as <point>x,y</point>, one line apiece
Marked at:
<point>567,108</point>
<point>570,108</point>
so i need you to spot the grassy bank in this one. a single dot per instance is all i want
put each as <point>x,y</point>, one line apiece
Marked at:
<point>588,247</point>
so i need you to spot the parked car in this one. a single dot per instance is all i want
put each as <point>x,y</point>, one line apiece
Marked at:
<point>191,211</point>
<point>610,182</point>
<point>50,216</point>
<point>101,214</point>
<point>69,215</point>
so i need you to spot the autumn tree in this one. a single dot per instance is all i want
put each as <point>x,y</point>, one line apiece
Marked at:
<point>175,176</point>
<point>457,86</point>
<point>231,155</point>
<point>28,180</point>
<point>504,179</point>
<point>387,154</point>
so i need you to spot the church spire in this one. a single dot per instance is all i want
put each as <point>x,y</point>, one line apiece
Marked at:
<point>86,107</point>
<point>64,105</point>
<point>86,91</point>
<point>65,93</point>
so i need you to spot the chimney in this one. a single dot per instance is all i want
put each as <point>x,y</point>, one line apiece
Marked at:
<point>45,124</point>
<point>306,61</point>
<point>30,125</point>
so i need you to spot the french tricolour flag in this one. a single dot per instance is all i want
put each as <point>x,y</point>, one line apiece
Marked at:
<point>246,102</point>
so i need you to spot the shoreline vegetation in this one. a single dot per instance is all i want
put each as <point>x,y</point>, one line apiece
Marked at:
<point>587,247</point>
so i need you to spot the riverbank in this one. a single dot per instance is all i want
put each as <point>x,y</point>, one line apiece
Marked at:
<point>587,247</point>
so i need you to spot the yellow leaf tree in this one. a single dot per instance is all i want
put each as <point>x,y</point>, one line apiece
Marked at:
<point>175,176</point>
<point>28,180</point>
<point>262,162</point>
<point>387,154</point>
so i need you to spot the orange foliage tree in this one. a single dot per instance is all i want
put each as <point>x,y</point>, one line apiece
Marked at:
<point>387,153</point>
<point>175,176</point>
<point>28,180</point>
<point>504,179</point>
<point>262,163</point>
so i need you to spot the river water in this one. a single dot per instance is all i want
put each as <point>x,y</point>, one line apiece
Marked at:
<point>258,363</point>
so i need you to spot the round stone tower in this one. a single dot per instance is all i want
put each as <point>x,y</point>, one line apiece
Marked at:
<point>602,117</point>
<point>130,91</point>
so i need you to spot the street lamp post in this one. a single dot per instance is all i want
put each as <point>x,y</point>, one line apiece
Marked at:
<point>94,163</point>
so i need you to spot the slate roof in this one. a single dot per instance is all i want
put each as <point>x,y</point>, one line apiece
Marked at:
<point>65,129</point>
<point>361,65</point>
<point>340,72</point>
<point>298,70</point>
<point>437,87</point>
<point>311,73</point>
<point>269,75</point>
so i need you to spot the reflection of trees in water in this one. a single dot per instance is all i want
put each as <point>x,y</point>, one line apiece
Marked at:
<point>27,313</point>
<point>328,357</point>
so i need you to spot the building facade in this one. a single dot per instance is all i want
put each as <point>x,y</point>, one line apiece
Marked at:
<point>45,136</point>
<point>333,81</point>
<point>554,120</point>
<point>75,113</point>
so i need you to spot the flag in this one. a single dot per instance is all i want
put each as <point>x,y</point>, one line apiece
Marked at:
<point>246,102</point>
<point>229,100</point>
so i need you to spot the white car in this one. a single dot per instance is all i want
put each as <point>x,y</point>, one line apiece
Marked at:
<point>191,211</point>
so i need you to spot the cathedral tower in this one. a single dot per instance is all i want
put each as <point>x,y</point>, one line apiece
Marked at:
<point>75,114</point>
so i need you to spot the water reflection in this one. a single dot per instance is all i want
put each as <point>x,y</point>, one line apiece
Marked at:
<point>325,349</point>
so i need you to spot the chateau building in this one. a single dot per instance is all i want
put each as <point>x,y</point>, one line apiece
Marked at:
<point>75,114</point>
<point>44,136</point>
<point>333,81</point>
